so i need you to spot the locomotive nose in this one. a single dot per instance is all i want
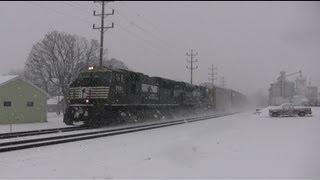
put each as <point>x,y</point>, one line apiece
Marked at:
<point>99,92</point>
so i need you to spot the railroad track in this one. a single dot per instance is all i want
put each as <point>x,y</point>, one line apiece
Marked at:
<point>46,141</point>
<point>39,132</point>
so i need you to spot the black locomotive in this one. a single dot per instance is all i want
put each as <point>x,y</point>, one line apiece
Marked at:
<point>101,96</point>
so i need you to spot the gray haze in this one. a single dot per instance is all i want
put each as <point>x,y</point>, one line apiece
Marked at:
<point>249,42</point>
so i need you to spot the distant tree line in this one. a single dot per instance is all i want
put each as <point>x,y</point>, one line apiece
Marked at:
<point>55,61</point>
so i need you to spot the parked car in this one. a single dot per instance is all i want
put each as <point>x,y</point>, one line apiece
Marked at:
<point>289,109</point>
<point>258,111</point>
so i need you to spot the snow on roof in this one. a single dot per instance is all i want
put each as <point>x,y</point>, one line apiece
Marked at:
<point>54,100</point>
<point>6,78</point>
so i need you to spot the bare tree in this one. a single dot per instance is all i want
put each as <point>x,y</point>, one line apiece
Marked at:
<point>114,63</point>
<point>55,62</point>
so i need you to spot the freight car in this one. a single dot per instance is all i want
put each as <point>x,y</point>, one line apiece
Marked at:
<point>101,96</point>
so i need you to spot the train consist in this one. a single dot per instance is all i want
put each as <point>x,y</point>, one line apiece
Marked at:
<point>101,96</point>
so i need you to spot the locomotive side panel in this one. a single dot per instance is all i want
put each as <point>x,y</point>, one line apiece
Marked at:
<point>166,91</point>
<point>133,87</point>
<point>105,95</point>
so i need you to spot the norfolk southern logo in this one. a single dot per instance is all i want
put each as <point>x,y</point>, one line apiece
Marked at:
<point>85,91</point>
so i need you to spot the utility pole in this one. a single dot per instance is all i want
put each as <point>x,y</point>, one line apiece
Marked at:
<point>212,74</point>
<point>223,82</point>
<point>192,55</point>
<point>102,28</point>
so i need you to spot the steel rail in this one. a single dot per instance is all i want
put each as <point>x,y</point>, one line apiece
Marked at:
<point>32,143</point>
<point>39,132</point>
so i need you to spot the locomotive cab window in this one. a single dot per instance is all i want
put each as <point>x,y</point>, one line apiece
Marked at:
<point>7,103</point>
<point>133,88</point>
<point>93,79</point>
<point>30,104</point>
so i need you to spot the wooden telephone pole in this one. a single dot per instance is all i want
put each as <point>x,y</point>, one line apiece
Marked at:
<point>102,28</point>
<point>212,74</point>
<point>192,55</point>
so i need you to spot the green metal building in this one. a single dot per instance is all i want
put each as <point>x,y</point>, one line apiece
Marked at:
<point>21,101</point>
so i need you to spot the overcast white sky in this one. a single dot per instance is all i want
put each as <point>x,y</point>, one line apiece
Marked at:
<point>249,42</point>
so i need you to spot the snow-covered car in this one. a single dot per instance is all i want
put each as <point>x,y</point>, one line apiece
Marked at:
<point>289,109</point>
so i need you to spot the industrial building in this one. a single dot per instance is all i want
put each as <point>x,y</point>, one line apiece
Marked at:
<point>285,91</point>
<point>21,101</point>
<point>312,95</point>
<point>281,91</point>
<point>301,85</point>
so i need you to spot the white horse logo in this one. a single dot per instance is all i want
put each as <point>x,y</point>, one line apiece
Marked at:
<point>85,92</point>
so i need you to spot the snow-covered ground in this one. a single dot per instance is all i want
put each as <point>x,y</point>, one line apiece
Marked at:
<point>53,121</point>
<point>243,145</point>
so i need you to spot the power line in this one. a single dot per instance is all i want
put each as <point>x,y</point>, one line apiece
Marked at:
<point>147,43</point>
<point>123,17</point>
<point>162,43</point>
<point>139,15</point>
<point>152,24</point>
<point>192,55</point>
<point>131,22</point>
<point>71,5</point>
<point>75,2</point>
<point>130,32</point>
<point>60,12</point>
<point>135,36</point>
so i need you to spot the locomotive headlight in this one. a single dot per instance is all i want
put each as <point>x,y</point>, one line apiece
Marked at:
<point>90,68</point>
<point>87,100</point>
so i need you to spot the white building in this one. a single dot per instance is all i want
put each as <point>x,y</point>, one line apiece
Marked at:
<point>55,104</point>
<point>301,86</point>
<point>312,95</point>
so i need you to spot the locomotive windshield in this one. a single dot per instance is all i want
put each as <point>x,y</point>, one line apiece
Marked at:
<point>91,79</point>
